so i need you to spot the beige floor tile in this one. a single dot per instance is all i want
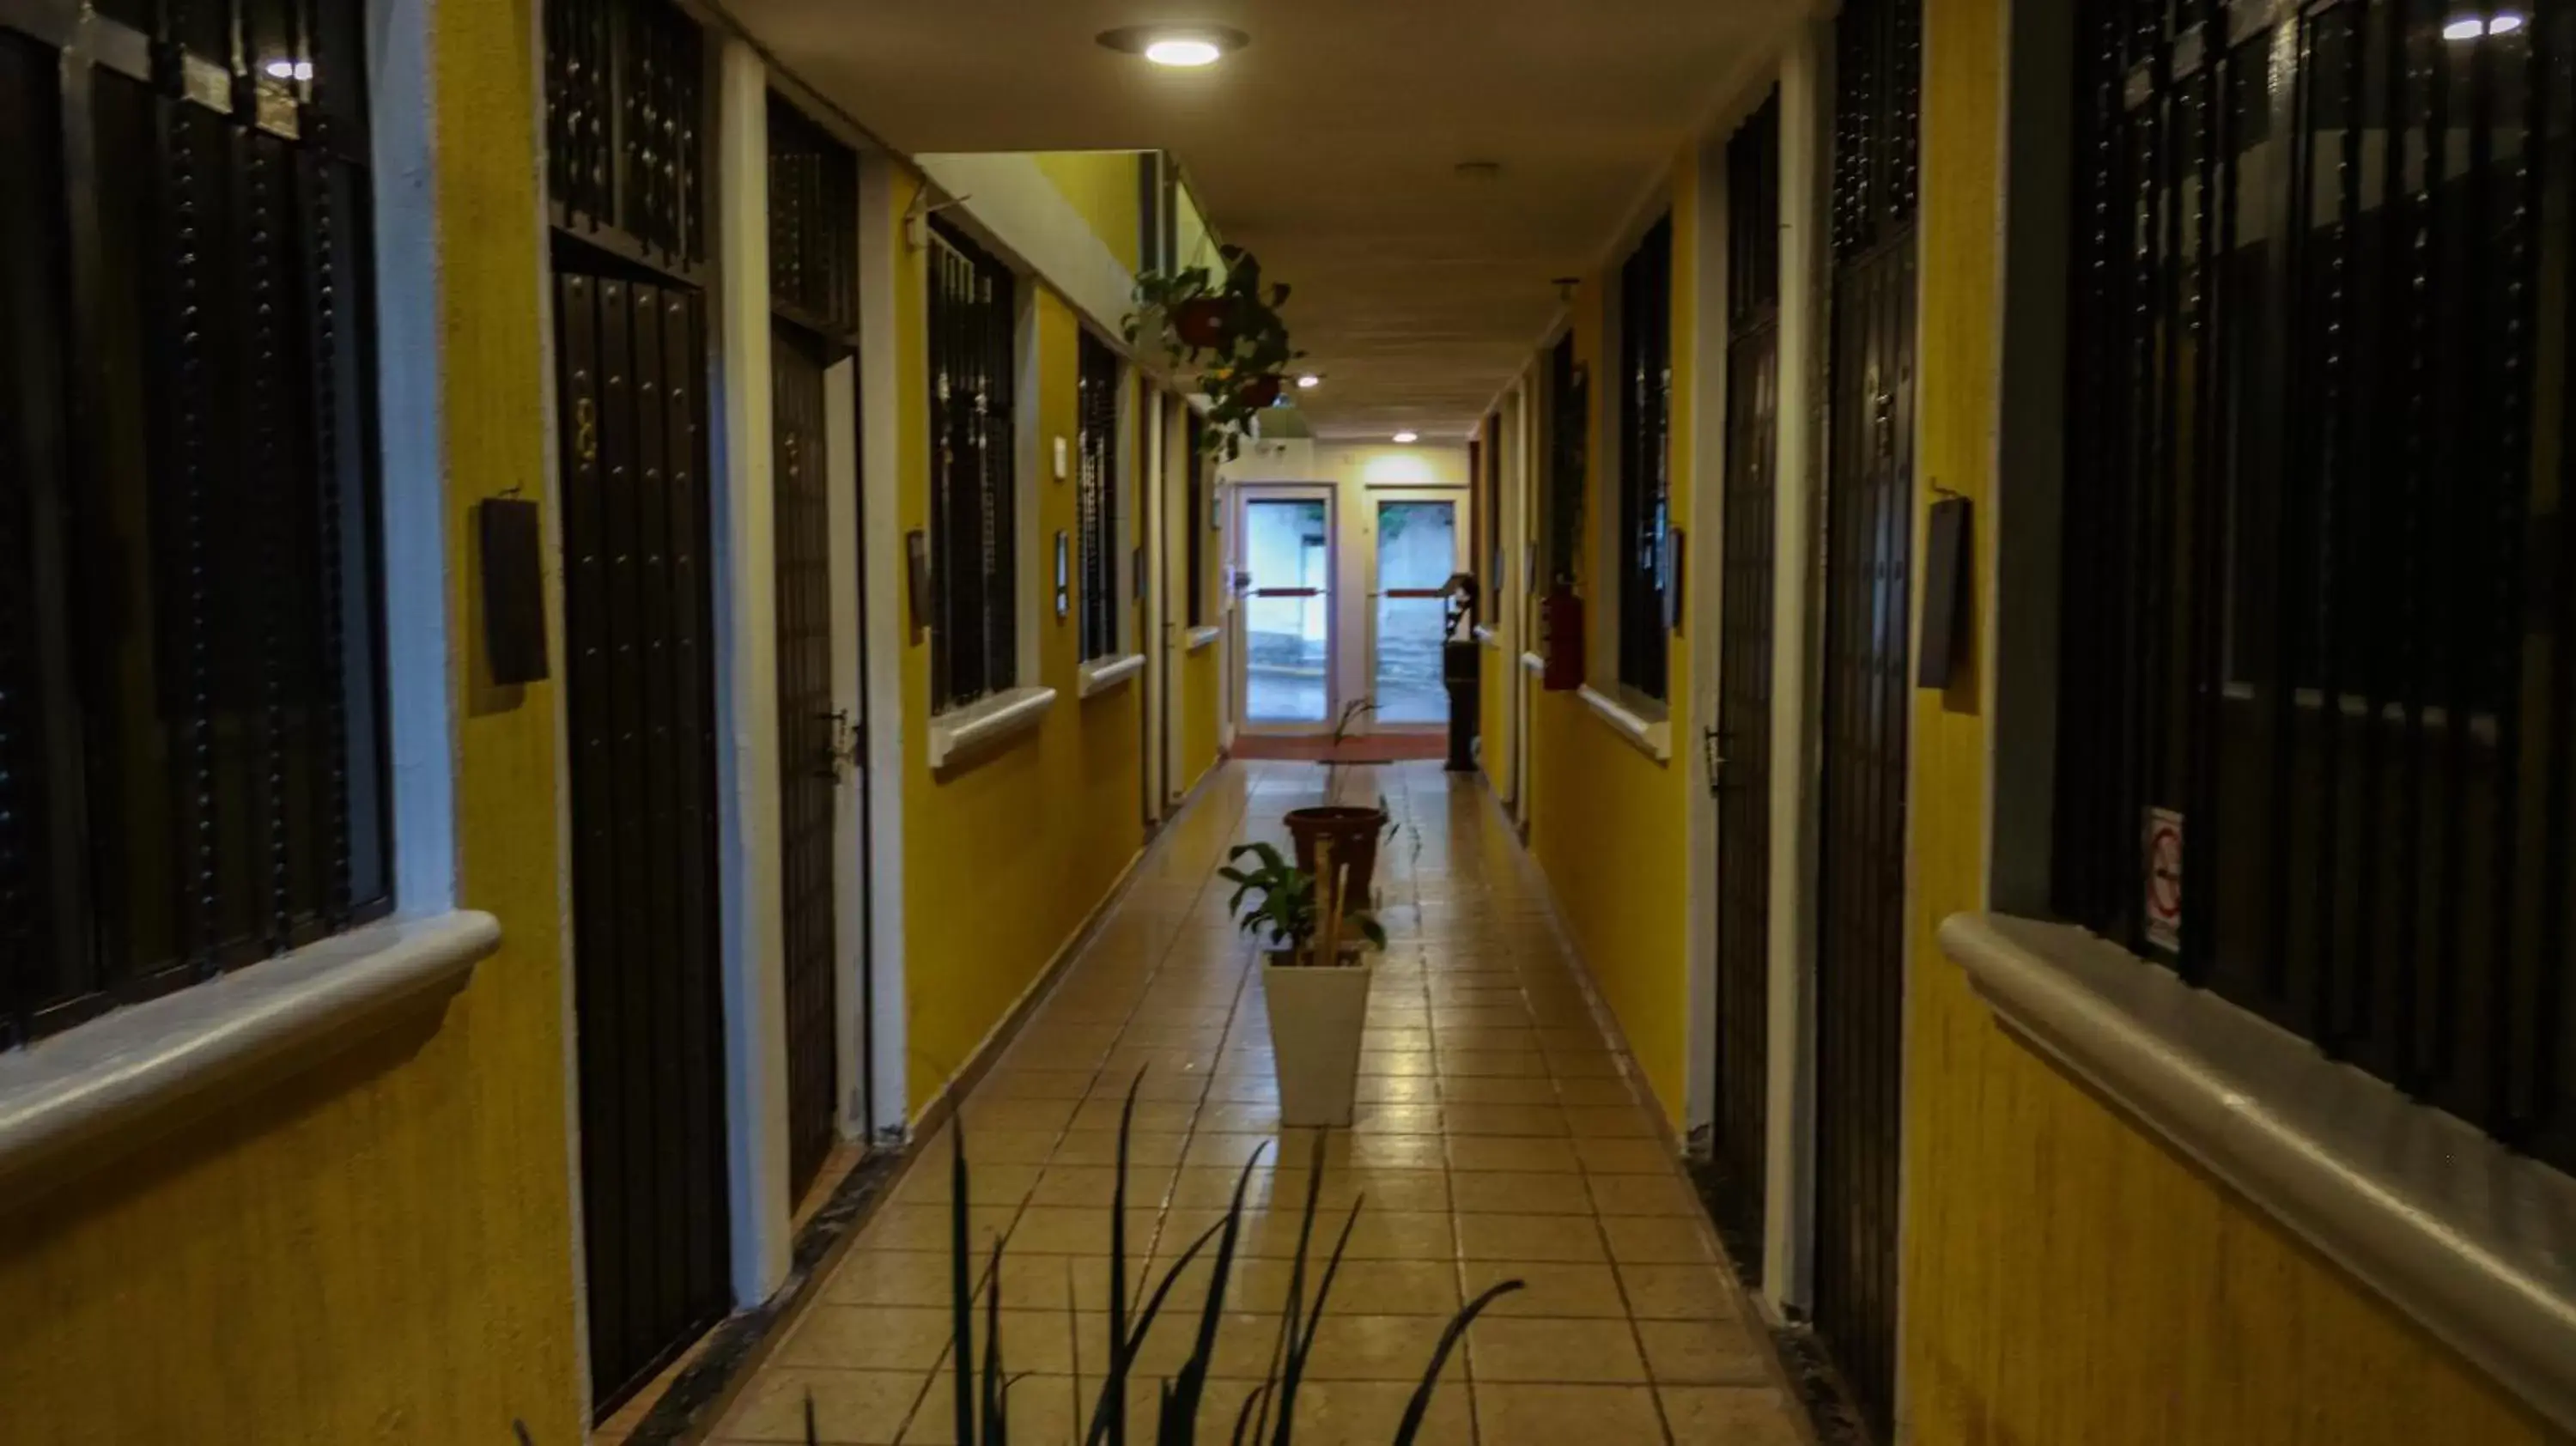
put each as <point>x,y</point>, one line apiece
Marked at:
<point>1097,1185</point>
<point>1062,1230</point>
<point>1037,1084</point>
<point>1625,1157</point>
<point>1700,1353</point>
<point>928,1227</point>
<point>1499,1090</point>
<point>1354,1347</point>
<point>1523,1348</point>
<point>851,1408</point>
<point>1153,1117</point>
<point>1548,1288</point>
<point>1643,1195</point>
<point>1609,1122</point>
<point>1553,1415</point>
<point>1504,1152</point>
<point>1522,1192</point>
<point>1041,1410</point>
<point>930,1181</point>
<point>989,1115</point>
<point>1100,1147</point>
<point>1595,1092</point>
<point>873,1338</point>
<point>1541,1120</point>
<point>1529,1237</point>
<point>1677,1292</point>
<point>1396,1061</point>
<point>1494,1063</point>
<point>1386,1119</point>
<point>1729,1416</point>
<point>1657,1240</point>
<point>1357,1413</point>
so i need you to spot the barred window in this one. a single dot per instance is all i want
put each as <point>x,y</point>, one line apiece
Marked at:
<point>1097,502</point>
<point>1194,518</point>
<point>1645,457</point>
<point>974,645</point>
<point>192,769</point>
<point>2318,709</point>
<point>1569,414</point>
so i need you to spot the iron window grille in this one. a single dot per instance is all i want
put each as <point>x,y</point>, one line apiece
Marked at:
<point>2317,706</point>
<point>813,224</point>
<point>974,644</point>
<point>1645,457</point>
<point>192,754</point>
<point>625,166</point>
<point>1569,416</point>
<point>1096,502</point>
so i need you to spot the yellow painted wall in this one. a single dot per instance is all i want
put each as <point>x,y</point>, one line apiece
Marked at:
<point>1609,823</point>
<point>1005,855</point>
<point>1105,187</point>
<point>378,1250</point>
<point>2066,1278</point>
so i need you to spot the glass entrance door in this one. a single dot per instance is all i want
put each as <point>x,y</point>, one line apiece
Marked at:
<point>1416,546</point>
<point>1285,574</point>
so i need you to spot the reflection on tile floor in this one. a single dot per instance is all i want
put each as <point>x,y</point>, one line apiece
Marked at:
<point>1498,1137</point>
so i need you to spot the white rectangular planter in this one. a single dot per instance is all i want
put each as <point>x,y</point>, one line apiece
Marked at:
<point>1315,1020</point>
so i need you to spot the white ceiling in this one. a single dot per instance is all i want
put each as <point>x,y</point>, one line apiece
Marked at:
<point>1330,146</point>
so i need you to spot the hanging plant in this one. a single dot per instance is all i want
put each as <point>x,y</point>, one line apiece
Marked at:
<point>1231,330</point>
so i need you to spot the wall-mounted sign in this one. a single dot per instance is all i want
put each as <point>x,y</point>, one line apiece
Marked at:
<point>2164,879</point>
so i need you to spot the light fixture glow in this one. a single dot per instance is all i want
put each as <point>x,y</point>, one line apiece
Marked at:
<point>1406,438</point>
<point>1309,380</point>
<point>2471,27</point>
<point>1182,51</point>
<point>290,69</point>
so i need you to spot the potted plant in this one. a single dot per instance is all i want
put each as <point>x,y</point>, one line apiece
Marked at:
<point>1314,972</point>
<point>1353,830</point>
<point>1230,327</point>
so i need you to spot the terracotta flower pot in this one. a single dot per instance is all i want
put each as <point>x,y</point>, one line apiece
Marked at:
<point>1200,322</point>
<point>1354,832</point>
<point>1261,391</point>
<point>1316,1014</point>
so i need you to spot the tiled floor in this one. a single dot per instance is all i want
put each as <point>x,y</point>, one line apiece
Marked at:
<point>1498,1137</point>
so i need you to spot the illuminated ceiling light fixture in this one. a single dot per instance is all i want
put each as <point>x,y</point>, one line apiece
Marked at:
<point>1406,439</point>
<point>290,69</point>
<point>1309,382</point>
<point>1183,47</point>
<point>2472,27</point>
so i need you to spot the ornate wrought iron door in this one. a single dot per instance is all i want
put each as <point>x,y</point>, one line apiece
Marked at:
<point>1740,770</point>
<point>813,746</point>
<point>637,624</point>
<point>1868,529</point>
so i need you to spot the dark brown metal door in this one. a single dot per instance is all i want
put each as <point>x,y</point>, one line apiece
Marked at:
<point>637,626</point>
<point>1740,769</point>
<point>812,747</point>
<point>1868,526</point>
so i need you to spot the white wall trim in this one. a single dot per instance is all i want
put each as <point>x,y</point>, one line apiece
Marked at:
<point>76,1102</point>
<point>1797,677</point>
<point>1651,736</point>
<point>882,267</point>
<point>2455,1230</point>
<point>410,295</point>
<point>1102,674</point>
<point>1703,595</point>
<point>747,687</point>
<point>986,724</point>
<point>1014,203</point>
<point>849,843</point>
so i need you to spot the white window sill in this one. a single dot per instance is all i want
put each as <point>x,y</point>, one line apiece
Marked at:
<point>81,1099</point>
<point>1534,665</point>
<point>1651,736</point>
<point>1103,674</point>
<point>986,723</point>
<point>1201,637</point>
<point>1486,635</point>
<point>2453,1229</point>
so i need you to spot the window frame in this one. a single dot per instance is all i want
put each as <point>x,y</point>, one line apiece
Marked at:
<point>1638,546</point>
<point>1101,387</point>
<point>1194,515</point>
<point>252,129</point>
<point>975,341</point>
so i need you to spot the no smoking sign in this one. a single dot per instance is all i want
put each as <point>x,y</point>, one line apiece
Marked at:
<point>2164,879</point>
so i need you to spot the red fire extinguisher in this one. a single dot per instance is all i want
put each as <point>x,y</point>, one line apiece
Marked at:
<point>1560,623</point>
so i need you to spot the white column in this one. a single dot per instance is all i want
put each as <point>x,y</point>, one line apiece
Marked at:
<point>1806,112</point>
<point>747,687</point>
<point>883,266</point>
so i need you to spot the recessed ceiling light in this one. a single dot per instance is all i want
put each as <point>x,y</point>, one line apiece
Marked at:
<point>1185,47</point>
<point>1310,380</point>
<point>1406,438</point>
<point>2471,27</point>
<point>290,69</point>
